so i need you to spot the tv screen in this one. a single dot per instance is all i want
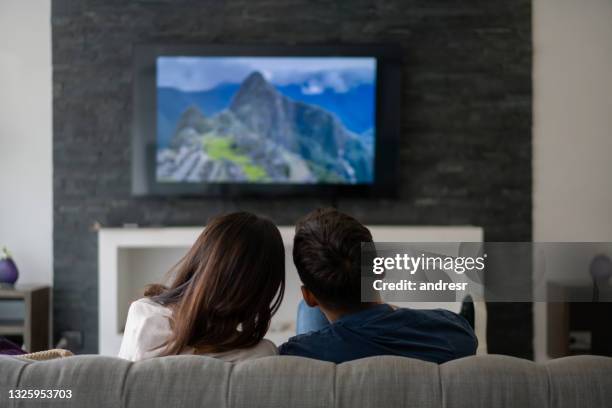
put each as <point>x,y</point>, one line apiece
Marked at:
<point>209,121</point>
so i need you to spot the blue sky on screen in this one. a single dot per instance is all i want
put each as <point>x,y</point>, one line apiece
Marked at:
<point>202,73</point>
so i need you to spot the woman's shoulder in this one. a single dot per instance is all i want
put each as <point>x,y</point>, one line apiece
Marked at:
<point>147,328</point>
<point>150,316</point>
<point>145,302</point>
<point>146,307</point>
<point>264,348</point>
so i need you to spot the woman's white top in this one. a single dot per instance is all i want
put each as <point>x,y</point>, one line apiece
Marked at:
<point>148,327</point>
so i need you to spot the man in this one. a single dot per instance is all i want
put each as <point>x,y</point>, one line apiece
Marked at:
<point>337,326</point>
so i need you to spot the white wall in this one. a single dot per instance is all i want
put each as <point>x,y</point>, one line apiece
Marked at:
<point>572,126</point>
<point>26,136</point>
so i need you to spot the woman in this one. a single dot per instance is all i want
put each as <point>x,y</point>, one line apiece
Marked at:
<point>222,299</point>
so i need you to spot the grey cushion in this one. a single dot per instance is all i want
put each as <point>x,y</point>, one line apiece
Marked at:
<point>493,381</point>
<point>10,371</point>
<point>178,381</point>
<point>388,382</point>
<point>194,381</point>
<point>277,381</point>
<point>584,381</point>
<point>95,381</point>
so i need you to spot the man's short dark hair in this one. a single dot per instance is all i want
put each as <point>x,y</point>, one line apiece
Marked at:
<point>327,255</point>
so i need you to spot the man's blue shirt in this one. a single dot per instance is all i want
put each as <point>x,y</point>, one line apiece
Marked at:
<point>431,335</point>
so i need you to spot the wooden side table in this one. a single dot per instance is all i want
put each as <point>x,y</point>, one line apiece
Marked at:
<point>32,323</point>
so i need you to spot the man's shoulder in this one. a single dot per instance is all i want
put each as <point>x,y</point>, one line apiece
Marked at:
<point>436,314</point>
<point>449,315</point>
<point>308,344</point>
<point>435,319</point>
<point>310,337</point>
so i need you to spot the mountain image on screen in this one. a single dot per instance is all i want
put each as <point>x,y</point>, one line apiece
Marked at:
<point>252,132</point>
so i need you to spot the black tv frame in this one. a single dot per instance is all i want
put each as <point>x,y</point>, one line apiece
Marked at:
<point>144,140</point>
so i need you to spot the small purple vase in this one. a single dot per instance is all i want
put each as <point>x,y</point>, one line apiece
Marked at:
<point>8,270</point>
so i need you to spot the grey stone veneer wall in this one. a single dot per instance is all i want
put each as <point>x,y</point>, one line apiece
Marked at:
<point>466,126</point>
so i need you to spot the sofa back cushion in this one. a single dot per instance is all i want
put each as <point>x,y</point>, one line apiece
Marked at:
<point>280,381</point>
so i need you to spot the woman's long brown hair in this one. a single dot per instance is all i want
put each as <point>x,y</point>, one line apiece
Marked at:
<point>227,288</point>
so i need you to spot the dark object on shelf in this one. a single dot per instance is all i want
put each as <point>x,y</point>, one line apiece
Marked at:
<point>8,270</point>
<point>26,315</point>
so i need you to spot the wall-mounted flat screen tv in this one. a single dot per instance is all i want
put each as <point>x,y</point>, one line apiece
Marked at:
<point>228,120</point>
